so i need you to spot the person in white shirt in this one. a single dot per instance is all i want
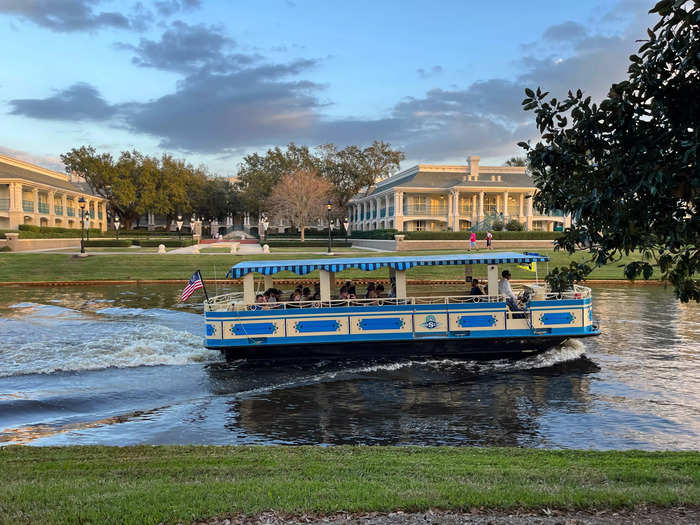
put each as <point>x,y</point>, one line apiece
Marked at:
<point>505,289</point>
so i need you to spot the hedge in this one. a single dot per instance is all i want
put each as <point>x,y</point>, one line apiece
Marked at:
<point>168,243</point>
<point>314,243</point>
<point>105,243</point>
<point>497,235</point>
<point>3,232</point>
<point>32,231</point>
<point>374,234</point>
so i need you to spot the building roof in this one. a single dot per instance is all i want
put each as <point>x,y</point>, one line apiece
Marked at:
<point>305,266</point>
<point>455,177</point>
<point>40,176</point>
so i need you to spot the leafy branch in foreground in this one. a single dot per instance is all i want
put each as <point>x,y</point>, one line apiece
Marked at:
<point>563,278</point>
<point>626,169</point>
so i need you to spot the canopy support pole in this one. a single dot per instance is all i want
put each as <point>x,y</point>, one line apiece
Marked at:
<point>325,282</point>
<point>401,284</point>
<point>493,279</point>
<point>268,282</point>
<point>249,288</point>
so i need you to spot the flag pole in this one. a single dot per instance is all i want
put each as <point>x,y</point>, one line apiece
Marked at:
<point>204,288</point>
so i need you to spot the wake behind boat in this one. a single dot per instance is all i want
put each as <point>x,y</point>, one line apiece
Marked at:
<point>398,325</point>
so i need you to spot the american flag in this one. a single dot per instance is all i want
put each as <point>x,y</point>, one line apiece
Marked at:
<point>195,283</point>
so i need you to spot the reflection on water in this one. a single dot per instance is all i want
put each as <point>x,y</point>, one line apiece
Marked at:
<point>125,365</point>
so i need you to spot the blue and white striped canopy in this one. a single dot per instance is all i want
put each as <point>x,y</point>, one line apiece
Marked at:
<point>304,266</point>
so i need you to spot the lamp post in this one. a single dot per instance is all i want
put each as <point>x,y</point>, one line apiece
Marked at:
<point>330,227</point>
<point>265,222</point>
<point>81,203</point>
<point>346,225</point>
<point>116,226</point>
<point>192,221</point>
<point>179,227</point>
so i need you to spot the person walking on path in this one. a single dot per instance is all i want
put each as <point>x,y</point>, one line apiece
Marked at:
<point>488,241</point>
<point>472,241</point>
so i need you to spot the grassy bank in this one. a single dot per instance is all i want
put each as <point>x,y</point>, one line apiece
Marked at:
<point>154,484</point>
<point>64,267</point>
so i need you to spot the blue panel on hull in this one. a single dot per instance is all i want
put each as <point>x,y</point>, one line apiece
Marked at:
<point>557,318</point>
<point>387,323</point>
<point>317,326</point>
<point>473,321</point>
<point>253,329</point>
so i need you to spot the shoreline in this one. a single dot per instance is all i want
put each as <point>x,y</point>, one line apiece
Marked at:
<point>239,282</point>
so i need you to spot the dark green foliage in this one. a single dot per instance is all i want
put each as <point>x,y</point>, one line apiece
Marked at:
<point>374,234</point>
<point>627,168</point>
<point>514,226</point>
<point>296,243</point>
<point>107,243</point>
<point>168,243</point>
<point>498,226</point>
<point>563,278</point>
<point>4,248</point>
<point>32,231</point>
<point>497,235</point>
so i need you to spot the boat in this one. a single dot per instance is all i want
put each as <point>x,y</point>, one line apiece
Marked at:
<point>400,325</point>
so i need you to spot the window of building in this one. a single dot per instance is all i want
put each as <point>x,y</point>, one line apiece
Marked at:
<point>490,204</point>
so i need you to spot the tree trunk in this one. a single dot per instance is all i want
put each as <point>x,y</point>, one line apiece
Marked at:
<point>302,228</point>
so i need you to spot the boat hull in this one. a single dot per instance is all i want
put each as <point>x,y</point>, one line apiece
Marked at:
<point>419,348</point>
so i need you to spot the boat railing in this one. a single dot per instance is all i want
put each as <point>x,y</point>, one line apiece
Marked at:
<point>234,301</point>
<point>222,302</point>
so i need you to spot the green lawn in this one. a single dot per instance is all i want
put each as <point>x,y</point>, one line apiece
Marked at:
<point>145,484</point>
<point>65,267</point>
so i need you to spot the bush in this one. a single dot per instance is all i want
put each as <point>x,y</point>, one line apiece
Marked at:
<point>3,232</point>
<point>32,231</point>
<point>375,234</point>
<point>314,243</point>
<point>497,235</point>
<point>108,243</point>
<point>4,248</point>
<point>168,243</point>
<point>498,226</point>
<point>514,226</point>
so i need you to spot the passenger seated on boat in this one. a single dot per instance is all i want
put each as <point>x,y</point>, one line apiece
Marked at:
<point>371,294</point>
<point>296,298</point>
<point>505,289</point>
<point>370,288</point>
<point>344,293</point>
<point>306,294</point>
<point>476,289</point>
<point>297,289</point>
<point>380,290</point>
<point>260,302</point>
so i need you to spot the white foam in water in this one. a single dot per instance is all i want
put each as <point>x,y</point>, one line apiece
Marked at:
<point>568,351</point>
<point>132,345</point>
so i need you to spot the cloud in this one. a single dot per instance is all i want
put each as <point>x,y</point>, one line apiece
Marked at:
<point>433,71</point>
<point>46,161</point>
<point>73,15</point>
<point>79,102</point>
<point>227,102</point>
<point>186,48</point>
<point>212,112</point>
<point>170,7</point>
<point>565,32</point>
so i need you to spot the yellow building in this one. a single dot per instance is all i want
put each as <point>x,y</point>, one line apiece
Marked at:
<point>438,198</point>
<point>30,194</point>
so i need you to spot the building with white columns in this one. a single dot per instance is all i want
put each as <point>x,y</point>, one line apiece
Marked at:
<point>440,198</point>
<point>30,194</point>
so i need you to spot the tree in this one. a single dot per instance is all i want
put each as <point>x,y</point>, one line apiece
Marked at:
<point>258,174</point>
<point>516,161</point>
<point>353,169</point>
<point>627,168</point>
<point>299,197</point>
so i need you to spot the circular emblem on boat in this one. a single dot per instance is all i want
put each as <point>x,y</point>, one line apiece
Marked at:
<point>430,322</point>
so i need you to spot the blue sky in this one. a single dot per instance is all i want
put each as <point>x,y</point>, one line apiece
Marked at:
<point>213,80</point>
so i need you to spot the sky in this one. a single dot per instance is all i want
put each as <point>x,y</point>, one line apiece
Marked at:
<point>211,81</point>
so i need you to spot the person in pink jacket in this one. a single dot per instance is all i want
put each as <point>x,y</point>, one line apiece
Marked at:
<point>472,241</point>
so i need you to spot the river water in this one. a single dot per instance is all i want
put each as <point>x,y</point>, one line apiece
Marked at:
<point>123,365</point>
